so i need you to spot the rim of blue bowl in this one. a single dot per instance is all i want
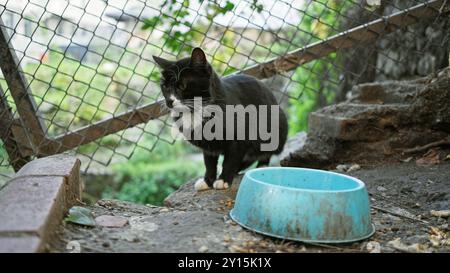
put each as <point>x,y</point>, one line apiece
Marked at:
<point>361,184</point>
<point>363,237</point>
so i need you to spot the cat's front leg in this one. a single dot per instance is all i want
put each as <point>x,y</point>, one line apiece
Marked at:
<point>234,154</point>
<point>210,174</point>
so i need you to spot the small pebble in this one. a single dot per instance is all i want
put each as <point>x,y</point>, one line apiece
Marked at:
<point>203,249</point>
<point>354,167</point>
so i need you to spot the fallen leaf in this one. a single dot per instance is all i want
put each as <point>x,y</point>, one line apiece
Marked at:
<point>436,231</point>
<point>438,237</point>
<point>238,249</point>
<point>81,216</point>
<point>440,213</point>
<point>414,248</point>
<point>111,221</point>
<point>429,158</point>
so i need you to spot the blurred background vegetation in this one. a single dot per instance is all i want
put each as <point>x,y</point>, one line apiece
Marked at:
<point>61,84</point>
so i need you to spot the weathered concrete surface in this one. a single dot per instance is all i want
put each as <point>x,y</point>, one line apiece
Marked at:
<point>35,201</point>
<point>377,123</point>
<point>199,221</point>
<point>26,202</point>
<point>186,198</point>
<point>19,244</point>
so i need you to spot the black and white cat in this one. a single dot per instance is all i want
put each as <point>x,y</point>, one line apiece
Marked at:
<point>184,80</point>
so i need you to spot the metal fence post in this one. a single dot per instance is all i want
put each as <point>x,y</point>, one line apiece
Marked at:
<point>24,101</point>
<point>16,159</point>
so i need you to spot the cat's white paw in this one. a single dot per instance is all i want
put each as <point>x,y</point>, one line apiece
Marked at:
<point>200,185</point>
<point>220,185</point>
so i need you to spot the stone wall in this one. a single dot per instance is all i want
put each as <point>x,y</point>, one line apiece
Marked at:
<point>414,51</point>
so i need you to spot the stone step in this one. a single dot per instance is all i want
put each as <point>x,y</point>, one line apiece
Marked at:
<point>386,92</point>
<point>351,121</point>
<point>35,200</point>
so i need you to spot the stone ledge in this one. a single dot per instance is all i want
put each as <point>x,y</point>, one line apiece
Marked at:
<point>35,201</point>
<point>19,244</point>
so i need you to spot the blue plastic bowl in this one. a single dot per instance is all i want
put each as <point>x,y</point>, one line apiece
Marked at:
<point>303,205</point>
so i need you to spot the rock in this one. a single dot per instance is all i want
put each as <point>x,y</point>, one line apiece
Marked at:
<point>381,188</point>
<point>342,168</point>
<point>347,168</point>
<point>293,144</point>
<point>354,167</point>
<point>373,247</point>
<point>380,120</point>
<point>203,249</point>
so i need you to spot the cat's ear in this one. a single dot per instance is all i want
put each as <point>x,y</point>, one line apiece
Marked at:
<point>163,63</point>
<point>198,57</point>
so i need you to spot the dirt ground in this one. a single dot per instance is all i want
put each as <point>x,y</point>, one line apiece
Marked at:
<point>402,198</point>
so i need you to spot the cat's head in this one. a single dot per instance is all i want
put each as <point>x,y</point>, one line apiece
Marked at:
<point>185,79</point>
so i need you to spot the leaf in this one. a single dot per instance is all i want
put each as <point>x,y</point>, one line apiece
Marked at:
<point>429,158</point>
<point>440,213</point>
<point>414,248</point>
<point>81,216</point>
<point>229,6</point>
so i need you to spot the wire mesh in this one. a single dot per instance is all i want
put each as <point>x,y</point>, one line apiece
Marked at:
<point>85,61</point>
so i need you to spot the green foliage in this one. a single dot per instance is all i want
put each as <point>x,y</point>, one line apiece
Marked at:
<point>149,177</point>
<point>175,20</point>
<point>65,86</point>
<point>69,92</point>
<point>314,80</point>
<point>314,83</point>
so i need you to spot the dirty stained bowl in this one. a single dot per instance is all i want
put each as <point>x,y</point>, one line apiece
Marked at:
<point>303,205</point>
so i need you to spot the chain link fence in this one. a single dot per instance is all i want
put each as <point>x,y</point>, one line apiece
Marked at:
<point>78,75</point>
